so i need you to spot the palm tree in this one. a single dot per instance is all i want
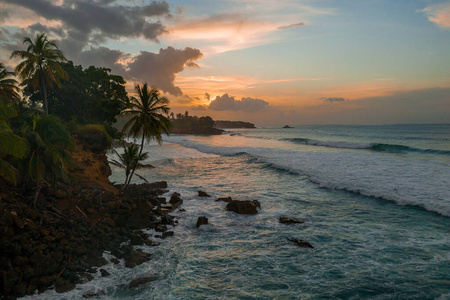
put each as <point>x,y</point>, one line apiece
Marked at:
<point>12,146</point>
<point>128,159</point>
<point>47,158</point>
<point>40,66</point>
<point>148,119</point>
<point>9,90</point>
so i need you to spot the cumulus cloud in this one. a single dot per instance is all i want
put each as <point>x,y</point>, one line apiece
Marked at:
<point>81,28</point>
<point>159,69</point>
<point>226,102</point>
<point>439,14</point>
<point>332,99</point>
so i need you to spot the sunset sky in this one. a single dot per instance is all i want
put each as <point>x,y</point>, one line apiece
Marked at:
<point>268,62</point>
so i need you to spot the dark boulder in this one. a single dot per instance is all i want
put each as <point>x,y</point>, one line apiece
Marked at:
<point>167,234</point>
<point>202,221</point>
<point>140,281</point>
<point>203,194</point>
<point>301,243</point>
<point>247,207</point>
<point>225,199</point>
<point>104,273</point>
<point>290,220</point>
<point>135,258</point>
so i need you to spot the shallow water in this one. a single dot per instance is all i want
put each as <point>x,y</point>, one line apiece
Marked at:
<point>368,243</point>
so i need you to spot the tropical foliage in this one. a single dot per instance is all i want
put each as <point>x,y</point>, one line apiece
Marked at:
<point>40,67</point>
<point>33,147</point>
<point>149,117</point>
<point>130,158</point>
<point>90,96</point>
<point>9,90</point>
<point>47,158</point>
<point>12,146</point>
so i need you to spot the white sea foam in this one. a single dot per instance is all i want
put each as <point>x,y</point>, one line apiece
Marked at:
<point>405,180</point>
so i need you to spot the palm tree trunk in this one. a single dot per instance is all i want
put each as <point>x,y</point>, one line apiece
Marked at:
<point>135,163</point>
<point>44,89</point>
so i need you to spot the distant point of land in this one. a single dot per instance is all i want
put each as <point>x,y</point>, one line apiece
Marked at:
<point>233,124</point>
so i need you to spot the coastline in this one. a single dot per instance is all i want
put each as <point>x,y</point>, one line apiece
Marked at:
<point>60,243</point>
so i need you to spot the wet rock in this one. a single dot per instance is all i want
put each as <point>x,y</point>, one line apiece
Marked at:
<point>225,199</point>
<point>181,210</point>
<point>104,273</point>
<point>202,220</point>
<point>62,286</point>
<point>167,234</point>
<point>90,294</point>
<point>151,243</point>
<point>136,240</point>
<point>136,257</point>
<point>290,220</point>
<point>115,260</point>
<point>203,194</point>
<point>247,207</point>
<point>301,243</point>
<point>167,220</point>
<point>140,281</point>
<point>161,228</point>
<point>85,277</point>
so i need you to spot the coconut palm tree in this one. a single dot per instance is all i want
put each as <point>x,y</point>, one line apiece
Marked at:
<point>12,146</point>
<point>47,158</point>
<point>41,65</point>
<point>128,159</point>
<point>9,90</point>
<point>148,120</point>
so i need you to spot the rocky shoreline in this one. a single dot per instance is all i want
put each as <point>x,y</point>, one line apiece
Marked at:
<point>56,248</point>
<point>59,240</point>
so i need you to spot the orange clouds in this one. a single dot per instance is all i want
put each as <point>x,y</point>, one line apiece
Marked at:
<point>227,32</point>
<point>439,14</point>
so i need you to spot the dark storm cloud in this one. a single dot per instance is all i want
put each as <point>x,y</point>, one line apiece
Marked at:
<point>225,102</point>
<point>86,25</point>
<point>159,69</point>
<point>112,20</point>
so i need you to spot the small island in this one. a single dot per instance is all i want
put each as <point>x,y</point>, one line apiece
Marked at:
<point>287,126</point>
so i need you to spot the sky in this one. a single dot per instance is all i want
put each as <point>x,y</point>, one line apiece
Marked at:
<point>268,62</point>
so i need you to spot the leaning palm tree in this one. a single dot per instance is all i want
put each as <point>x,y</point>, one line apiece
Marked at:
<point>149,119</point>
<point>9,90</point>
<point>41,65</point>
<point>127,160</point>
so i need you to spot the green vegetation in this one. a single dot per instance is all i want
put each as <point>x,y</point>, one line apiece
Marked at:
<point>130,159</point>
<point>148,120</point>
<point>9,90</point>
<point>186,124</point>
<point>90,96</point>
<point>41,65</point>
<point>60,101</point>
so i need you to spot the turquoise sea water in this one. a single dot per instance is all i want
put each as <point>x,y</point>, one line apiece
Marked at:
<point>376,200</point>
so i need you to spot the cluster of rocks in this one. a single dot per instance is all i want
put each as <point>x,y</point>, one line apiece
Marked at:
<point>60,242</point>
<point>250,207</point>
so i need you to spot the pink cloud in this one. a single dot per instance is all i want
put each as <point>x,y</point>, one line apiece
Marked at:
<point>439,14</point>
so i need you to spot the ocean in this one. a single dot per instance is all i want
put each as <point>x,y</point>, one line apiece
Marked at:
<point>375,200</point>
